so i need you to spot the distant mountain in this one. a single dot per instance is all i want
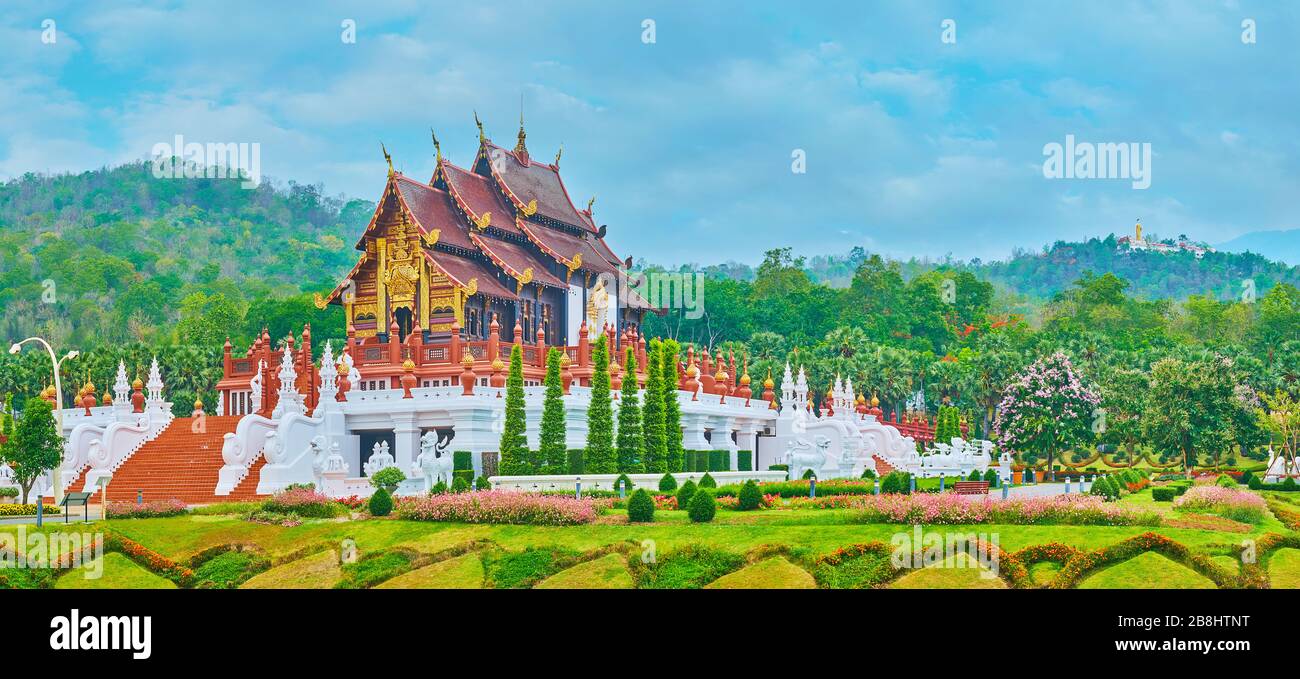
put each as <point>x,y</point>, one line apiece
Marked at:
<point>1283,246</point>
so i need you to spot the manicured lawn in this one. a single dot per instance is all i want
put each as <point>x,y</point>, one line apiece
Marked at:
<point>607,572</point>
<point>959,571</point>
<point>1148,570</point>
<point>1044,572</point>
<point>772,573</point>
<point>462,572</point>
<point>118,572</point>
<point>1284,569</point>
<point>320,570</point>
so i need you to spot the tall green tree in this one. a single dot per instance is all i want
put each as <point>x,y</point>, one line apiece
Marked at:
<point>553,428</point>
<point>652,414</point>
<point>1191,407</point>
<point>599,456</point>
<point>672,409</point>
<point>36,446</point>
<point>515,456</point>
<point>631,445</point>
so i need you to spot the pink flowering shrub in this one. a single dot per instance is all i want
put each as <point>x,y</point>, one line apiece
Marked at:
<point>499,506</point>
<point>303,502</point>
<point>148,510</point>
<point>947,508</point>
<point>1230,503</point>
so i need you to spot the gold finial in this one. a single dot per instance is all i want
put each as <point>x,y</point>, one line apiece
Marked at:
<point>137,384</point>
<point>408,365</point>
<point>875,401</point>
<point>768,383</point>
<point>498,365</point>
<point>467,360</point>
<point>481,137</point>
<point>565,360</point>
<point>590,203</point>
<point>437,148</point>
<point>519,146</point>
<point>387,158</point>
<point>558,152</point>
<point>198,403</point>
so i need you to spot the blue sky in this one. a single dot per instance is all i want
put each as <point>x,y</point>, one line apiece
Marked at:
<point>914,146</point>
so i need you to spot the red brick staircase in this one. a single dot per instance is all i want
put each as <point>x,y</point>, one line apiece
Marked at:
<point>882,467</point>
<point>182,464</point>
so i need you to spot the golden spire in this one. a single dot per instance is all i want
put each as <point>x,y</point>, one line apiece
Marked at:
<point>1138,228</point>
<point>437,148</point>
<point>519,146</point>
<point>481,137</point>
<point>768,383</point>
<point>558,152</point>
<point>387,158</point>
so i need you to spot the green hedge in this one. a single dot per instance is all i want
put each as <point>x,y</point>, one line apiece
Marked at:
<point>467,475</point>
<point>745,461</point>
<point>462,459</point>
<point>719,461</point>
<point>1164,493</point>
<point>577,461</point>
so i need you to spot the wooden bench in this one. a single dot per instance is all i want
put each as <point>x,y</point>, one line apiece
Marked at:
<point>971,488</point>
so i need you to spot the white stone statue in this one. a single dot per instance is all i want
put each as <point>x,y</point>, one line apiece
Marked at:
<point>801,456</point>
<point>255,385</point>
<point>317,448</point>
<point>432,467</point>
<point>380,458</point>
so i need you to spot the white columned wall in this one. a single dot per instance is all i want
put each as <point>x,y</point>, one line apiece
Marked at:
<point>406,440</point>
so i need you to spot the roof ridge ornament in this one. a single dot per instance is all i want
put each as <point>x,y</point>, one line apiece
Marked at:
<point>558,152</point>
<point>387,157</point>
<point>437,148</point>
<point>521,149</point>
<point>481,136</point>
<point>591,203</point>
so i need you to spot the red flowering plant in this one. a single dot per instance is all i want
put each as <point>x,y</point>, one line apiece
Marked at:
<point>149,559</point>
<point>352,501</point>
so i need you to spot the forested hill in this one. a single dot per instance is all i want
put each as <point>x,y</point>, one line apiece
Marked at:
<point>117,255</point>
<point>111,255</point>
<point>1041,275</point>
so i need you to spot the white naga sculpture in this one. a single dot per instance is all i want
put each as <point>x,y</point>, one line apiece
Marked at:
<point>429,465</point>
<point>800,456</point>
<point>271,450</point>
<point>380,458</point>
<point>255,385</point>
<point>317,448</point>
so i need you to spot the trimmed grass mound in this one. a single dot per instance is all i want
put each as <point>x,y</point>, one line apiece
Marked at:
<point>318,571</point>
<point>607,572</point>
<point>461,572</point>
<point>772,573</point>
<point>119,572</point>
<point>1284,569</point>
<point>958,571</point>
<point>1148,570</point>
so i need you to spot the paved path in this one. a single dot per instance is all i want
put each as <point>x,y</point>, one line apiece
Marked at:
<point>75,518</point>
<point>1033,490</point>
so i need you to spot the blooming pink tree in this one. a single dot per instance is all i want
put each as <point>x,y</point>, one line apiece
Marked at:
<point>1046,409</point>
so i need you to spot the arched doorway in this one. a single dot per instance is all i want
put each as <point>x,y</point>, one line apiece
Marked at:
<point>403,317</point>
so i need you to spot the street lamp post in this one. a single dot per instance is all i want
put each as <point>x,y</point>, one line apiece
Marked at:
<point>58,405</point>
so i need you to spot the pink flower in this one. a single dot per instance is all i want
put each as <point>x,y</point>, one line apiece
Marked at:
<point>499,506</point>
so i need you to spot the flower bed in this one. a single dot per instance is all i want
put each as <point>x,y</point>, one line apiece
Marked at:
<point>353,501</point>
<point>302,502</point>
<point>26,510</point>
<point>498,506</point>
<point>1230,503</point>
<point>148,510</point>
<point>149,559</point>
<point>733,502</point>
<point>1079,510</point>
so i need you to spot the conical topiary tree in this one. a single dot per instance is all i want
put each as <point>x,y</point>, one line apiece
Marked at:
<point>551,445</point>
<point>652,414</point>
<point>599,456</point>
<point>630,444</point>
<point>514,441</point>
<point>676,456</point>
